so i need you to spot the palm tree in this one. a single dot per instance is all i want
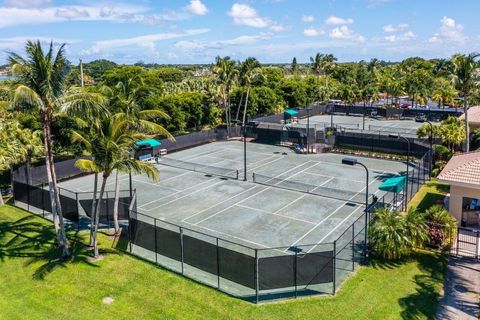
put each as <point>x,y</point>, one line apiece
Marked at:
<point>41,76</point>
<point>111,148</point>
<point>323,64</point>
<point>125,99</point>
<point>466,78</point>
<point>248,70</point>
<point>226,72</point>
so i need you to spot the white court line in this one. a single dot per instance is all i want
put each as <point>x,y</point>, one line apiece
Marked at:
<point>201,154</point>
<point>330,215</point>
<point>264,164</point>
<point>338,225</point>
<point>255,194</point>
<point>229,235</point>
<point>194,186</point>
<point>276,214</point>
<point>324,175</point>
<point>300,198</point>
<point>209,186</point>
<point>216,204</point>
<point>109,182</point>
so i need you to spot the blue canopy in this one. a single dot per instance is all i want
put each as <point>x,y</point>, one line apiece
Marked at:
<point>291,112</point>
<point>395,184</point>
<point>148,143</point>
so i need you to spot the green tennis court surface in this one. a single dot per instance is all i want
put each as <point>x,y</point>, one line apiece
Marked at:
<point>408,127</point>
<point>269,214</point>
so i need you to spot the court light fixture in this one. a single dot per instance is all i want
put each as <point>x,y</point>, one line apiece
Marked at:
<point>349,161</point>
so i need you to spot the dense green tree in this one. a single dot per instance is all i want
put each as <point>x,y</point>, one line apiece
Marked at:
<point>466,78</point>
<point>293,91</point>
<point>41,76</point>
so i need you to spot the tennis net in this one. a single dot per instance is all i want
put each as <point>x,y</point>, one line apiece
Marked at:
<point>212,170</point>
<point>346,195</point>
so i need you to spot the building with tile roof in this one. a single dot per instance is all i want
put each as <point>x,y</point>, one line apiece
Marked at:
<point>462,173</point>
<point>473,117</point>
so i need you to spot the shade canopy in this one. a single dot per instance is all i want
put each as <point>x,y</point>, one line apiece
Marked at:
<point>291,112</point>
<point>152,143</point>
<point>395,184</point>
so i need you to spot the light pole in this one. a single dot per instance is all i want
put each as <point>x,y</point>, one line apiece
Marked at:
<point>244,130</point>
<point>353,162</point>
<point>308,127</point>
<point>430,139</point>
<point>408,159</point>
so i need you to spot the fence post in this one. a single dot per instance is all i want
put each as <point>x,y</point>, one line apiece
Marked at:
<point>477,254</point>
<point>458,233</point>
<point>256,276</point>
<point>181,247</point>
<point>295,272</point>
<point>353,246</point>
<point>155,236</point>
<point>334,266</point>
<point>28,197</point>
<point>78,211</point>
<point>218,266</point>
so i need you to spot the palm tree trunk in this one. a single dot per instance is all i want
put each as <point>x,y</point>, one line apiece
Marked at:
<point>1,200</point>
<point>115,204</point>
<point>245,108</point>
<point>239,106</point>
<point>94,207</point>
<point>97,217</point>
<point>467,129</point>
<point>58,222</point>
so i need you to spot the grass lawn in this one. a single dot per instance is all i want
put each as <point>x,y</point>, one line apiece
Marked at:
<point>428,195</point>
<point>34,285</point>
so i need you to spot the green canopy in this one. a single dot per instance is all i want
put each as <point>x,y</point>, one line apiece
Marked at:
<point>395,184</point>
<point>148,143</point>
<point>291,112</point>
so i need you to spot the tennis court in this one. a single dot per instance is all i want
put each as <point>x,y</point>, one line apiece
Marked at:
<point>406,127</point>
<point>295,199</point>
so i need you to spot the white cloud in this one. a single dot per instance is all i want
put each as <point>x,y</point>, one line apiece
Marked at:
<point>391,28</point>
<point>450,32</point>
<point>243,14</point>
<point>197,8</point>
<point>312,32</point>
<point>336,21</point>
<point>308,18</point>
<point>343,32</point>
<point>26,4</point>
<point>244,40</point>
<point>409,35</point>
<point>145,41</point>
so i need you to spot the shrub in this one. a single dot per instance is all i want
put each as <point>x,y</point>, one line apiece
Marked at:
<point>394,235</point>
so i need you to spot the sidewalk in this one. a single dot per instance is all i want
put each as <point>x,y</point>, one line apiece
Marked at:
<point>462,290</point>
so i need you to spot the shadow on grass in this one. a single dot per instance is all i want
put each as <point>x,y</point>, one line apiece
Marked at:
<point>429,200</point>
<point>423,303</point>
<point>32,239</point>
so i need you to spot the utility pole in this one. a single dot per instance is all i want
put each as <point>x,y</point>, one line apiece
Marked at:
<point>81,73</point>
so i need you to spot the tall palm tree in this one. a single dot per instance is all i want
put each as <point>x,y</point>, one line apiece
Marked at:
<point>41,76</point>
<point>227,73</point>
<point>323,64</point>
<point>111,148</point>
<point>125,98</point>
<point>466,77</point>
<point>248,70</point>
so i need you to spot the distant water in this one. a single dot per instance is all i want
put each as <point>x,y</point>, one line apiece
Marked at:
<point>5,78</point>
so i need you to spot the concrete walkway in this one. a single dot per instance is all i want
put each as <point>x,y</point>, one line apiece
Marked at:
<point>462,290</point>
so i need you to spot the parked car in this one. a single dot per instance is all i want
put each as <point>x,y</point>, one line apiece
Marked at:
<point>420,118</point>
<point>405,105</point>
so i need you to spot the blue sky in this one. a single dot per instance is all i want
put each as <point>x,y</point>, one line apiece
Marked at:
<point>195,31</point>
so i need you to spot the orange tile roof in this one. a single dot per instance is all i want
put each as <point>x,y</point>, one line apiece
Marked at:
<point>462,168</point>
<point>473,115</point>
